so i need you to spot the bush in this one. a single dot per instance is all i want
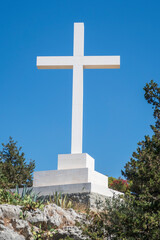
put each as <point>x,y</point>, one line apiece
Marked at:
<point>28,199</point>
<point>60,200</point>
<point>118,184</point>
<point>123,218</point>
<point>13,167</point>
<point>137,215</point>
<point>3,179</point>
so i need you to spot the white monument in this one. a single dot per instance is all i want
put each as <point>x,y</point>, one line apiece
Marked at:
<point>76,172</point>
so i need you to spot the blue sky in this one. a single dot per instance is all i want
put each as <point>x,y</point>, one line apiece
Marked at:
<point>35,105</point>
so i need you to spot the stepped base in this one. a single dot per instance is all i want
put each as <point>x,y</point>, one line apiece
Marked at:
<point>76,160</point>
<point>75,174</point>
<point>87,194</point>
<point>76,188</point>
<point>69,176</point>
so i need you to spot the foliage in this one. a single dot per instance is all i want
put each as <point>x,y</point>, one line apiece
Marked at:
<point>66,238</point>
<point>110,180</point>
<point>95,228</point>
<point>123,219</point>
<point>40,234</point>
<point>3,179</point>
<point>28,199</point>
<point>118,184</point>
<point>61,200</point>
<point>14,167</point>
<point>152,95</point>
<point>23,215</point>
<point>29,192</point>
<point>137,215</point>
<point>144,167</point>
<point>143,170</point>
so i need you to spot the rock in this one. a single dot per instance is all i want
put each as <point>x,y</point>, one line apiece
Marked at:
<point>77,217</point>
<point>63,220</point>
<point>9,211</point>
<point>37,218</point>
<point>58,216</point>
<point>9,234</point>
<point>72,232</point>
<point>54,216</point>
<point>22,227</point>
<point>1,221</point>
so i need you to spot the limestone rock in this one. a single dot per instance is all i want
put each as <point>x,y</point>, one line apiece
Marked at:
<point>9,234</point>
<point>63,220</point>
<point>73,232</point>
<point>58,216</point>
<point>37,218</point>
<point>9,211</point>
<point>22,227</point>
<point>77,217</point>
<point>1,221</point>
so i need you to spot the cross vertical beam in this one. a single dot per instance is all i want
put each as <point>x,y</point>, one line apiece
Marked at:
<point>78,62</point>
<point>77,90</point>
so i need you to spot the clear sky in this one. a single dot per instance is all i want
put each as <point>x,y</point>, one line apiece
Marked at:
<point>35,105</point>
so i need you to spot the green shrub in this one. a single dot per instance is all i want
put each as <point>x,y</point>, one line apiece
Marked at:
<point>118,184</point>
<point>40,234</point>
<point>60,200</point>
<point>3,179</point>
<point>137,215</point>
<point>28,199</point>
<point>13,166</point>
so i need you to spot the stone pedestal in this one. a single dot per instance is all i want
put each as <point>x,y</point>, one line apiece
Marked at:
<point>75,174</point>
<point>72,161</point>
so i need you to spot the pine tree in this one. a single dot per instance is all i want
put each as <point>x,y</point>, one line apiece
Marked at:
<point>144,167</point>
<point>137,216</point>
<point>143,172</point>
<point>14,167</point>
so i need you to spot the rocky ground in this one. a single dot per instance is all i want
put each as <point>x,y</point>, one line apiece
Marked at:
<point>52,222</point>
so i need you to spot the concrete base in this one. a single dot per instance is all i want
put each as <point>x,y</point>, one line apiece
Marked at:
<point>78,160</point>
<point>75,174</point>
<point>76,188</point>
<point>82,194</point>
<point>69,176</point>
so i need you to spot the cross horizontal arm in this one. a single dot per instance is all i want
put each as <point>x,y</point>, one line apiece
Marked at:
<point>101,62</point>
<point>55,62</point>
<point>88,62</point>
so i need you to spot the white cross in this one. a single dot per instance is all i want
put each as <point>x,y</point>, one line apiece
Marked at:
<point>78,62</point>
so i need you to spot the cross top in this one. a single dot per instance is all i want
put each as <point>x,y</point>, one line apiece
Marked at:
<point>78,62</point>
